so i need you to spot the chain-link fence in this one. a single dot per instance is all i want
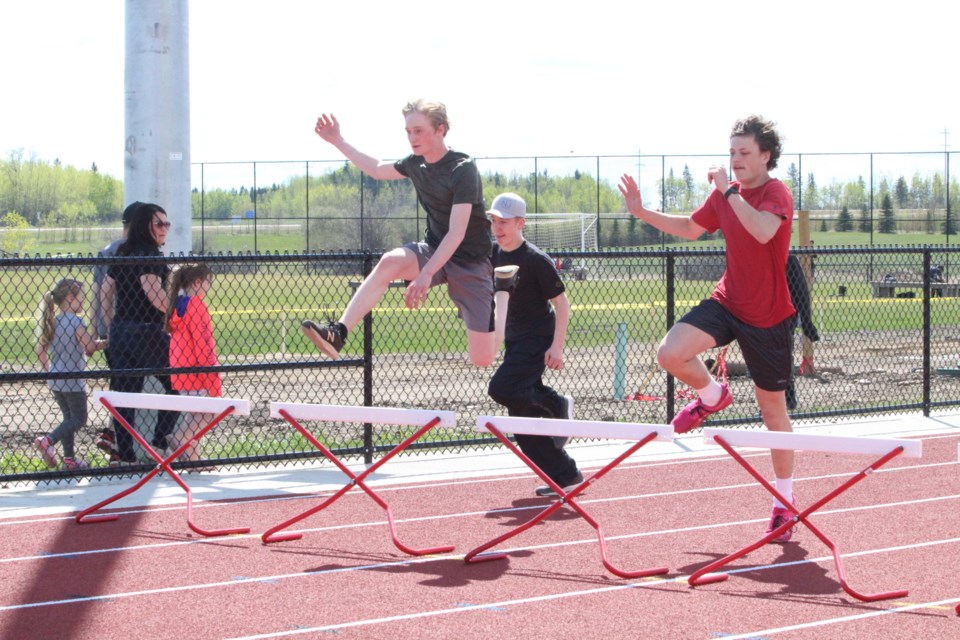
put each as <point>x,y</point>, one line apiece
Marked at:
<point>887,320</point>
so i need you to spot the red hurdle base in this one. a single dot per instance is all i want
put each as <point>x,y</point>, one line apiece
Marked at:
<point>163,464</point>
<point>477,554</point>
<point>272,535</point>
<point>707,574</point>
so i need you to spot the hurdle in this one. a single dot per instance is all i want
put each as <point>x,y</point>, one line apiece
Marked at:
<point>499,426</point>
<point>162,402</point>
<point>886,448</point>
<point>294,413</point>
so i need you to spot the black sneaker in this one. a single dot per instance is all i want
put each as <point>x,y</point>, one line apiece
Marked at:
<point>328,339</point>
<point>546,491</point>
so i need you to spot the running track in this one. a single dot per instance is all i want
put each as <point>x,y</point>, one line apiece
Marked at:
<point>146,576</point>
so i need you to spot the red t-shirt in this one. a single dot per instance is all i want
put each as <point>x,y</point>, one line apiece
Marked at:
<point>754,286</point>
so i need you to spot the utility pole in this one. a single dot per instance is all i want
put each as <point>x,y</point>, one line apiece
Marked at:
<point>156,165</point>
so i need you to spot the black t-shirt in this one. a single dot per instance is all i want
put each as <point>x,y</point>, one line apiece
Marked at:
<point>530,312</point>
<point>454,179</point>
<point>131,303</point>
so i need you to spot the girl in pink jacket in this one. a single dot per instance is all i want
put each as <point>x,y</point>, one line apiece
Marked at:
<point>191,345</point>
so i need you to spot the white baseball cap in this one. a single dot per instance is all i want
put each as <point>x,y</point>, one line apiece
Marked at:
<point>508,205</point>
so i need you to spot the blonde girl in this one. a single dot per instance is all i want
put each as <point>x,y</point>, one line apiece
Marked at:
<point>64,347</point>
<point>191,345</point>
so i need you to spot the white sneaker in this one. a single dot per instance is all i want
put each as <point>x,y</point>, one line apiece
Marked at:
<point>561,441</point>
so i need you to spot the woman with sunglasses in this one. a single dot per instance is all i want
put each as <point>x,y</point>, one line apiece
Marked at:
<point>138,340</point>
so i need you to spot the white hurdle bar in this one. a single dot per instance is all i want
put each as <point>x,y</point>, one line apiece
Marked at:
<point>641,434</point>
<point>375,415</point>
<point>886,448</point>
<point>163,402</point>
<point>220,408</point>
<point>576,428</point>
<point>784,440</point>
<point>422,418</point>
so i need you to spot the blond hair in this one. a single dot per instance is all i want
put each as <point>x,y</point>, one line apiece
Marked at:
<point>181,278</point>
<point>436,112</point>
<point>51,303</point>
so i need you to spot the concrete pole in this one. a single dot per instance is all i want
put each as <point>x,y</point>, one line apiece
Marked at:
<point>157,112</point>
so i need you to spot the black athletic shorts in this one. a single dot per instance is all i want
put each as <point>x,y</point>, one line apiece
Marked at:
<point>768,353</point>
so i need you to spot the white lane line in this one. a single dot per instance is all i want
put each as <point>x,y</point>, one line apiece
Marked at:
<point>829,621</point>
<point>646,584</point>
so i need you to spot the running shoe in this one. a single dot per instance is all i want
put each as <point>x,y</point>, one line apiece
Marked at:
<point>546,491</point>
<point>329,339</point>
<point>74,464</point>
<point>106,442</point>
<point>47,452</point>
<point>505,278</point>
<point>696,413</point>
<point>780,516</point>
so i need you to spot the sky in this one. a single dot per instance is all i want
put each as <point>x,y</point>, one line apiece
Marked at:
<point>528,78</point>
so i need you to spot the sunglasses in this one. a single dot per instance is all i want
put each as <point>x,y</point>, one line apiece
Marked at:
<point>162,223</point>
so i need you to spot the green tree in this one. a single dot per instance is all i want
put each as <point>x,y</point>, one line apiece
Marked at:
<point>844,220</point>
<point>16,237</point>
<point>866,222</point>
<point>888,224</point>
<point>901,192</point>
<point>811,196</point>
<point>793,182</point>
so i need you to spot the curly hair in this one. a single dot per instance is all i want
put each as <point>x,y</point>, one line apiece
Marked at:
<point>764,132</point>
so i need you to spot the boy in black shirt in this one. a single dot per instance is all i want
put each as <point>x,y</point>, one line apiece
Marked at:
<point>536,328</point>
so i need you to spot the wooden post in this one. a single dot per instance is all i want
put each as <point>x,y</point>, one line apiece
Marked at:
<point>806,263</point>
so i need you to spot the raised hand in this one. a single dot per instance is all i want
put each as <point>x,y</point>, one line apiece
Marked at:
<point>631,194</point>
<point>327,127</point>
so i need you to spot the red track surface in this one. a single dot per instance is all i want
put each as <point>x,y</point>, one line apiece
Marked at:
<point>146,576</point>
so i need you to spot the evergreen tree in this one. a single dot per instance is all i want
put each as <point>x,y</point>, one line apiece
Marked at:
<point>865,221</point>
<point>844,220</point>
<point>811,197</point>
<point>888,224</point>
<point>794,181</point>
<point>901,192</point>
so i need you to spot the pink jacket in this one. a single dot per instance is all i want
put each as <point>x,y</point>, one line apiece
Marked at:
<point>192,345</point>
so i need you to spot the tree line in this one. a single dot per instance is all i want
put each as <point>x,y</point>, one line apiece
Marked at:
<point>349,209</point>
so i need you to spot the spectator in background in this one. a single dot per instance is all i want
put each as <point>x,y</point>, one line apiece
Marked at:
<point>191,345</point>
<point>137,336</point>
<point>800,296</point>
<point>101,312</point>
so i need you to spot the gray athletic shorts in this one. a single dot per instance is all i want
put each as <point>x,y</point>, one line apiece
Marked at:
<point>469,284</point>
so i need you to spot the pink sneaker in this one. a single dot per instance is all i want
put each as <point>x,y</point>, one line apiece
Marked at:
<point>47,452</point>
<point>777,519</point>
<point>75,464</point>
<point>695,413</point>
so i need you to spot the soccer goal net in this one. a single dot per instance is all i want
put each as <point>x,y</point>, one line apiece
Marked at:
<point>562,230</point>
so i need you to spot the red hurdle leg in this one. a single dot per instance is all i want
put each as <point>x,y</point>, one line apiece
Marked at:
<point>163,464</point>
<point>477,555</point>
<point>708,575</point>
<point>271,535</point>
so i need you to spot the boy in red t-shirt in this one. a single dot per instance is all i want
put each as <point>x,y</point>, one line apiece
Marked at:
<point>751,302</point>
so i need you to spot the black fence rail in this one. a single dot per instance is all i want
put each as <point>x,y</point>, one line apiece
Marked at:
<point>888,321</point>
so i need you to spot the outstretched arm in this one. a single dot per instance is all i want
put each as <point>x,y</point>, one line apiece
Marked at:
<point>682,226</point>
<point>329,129</point>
